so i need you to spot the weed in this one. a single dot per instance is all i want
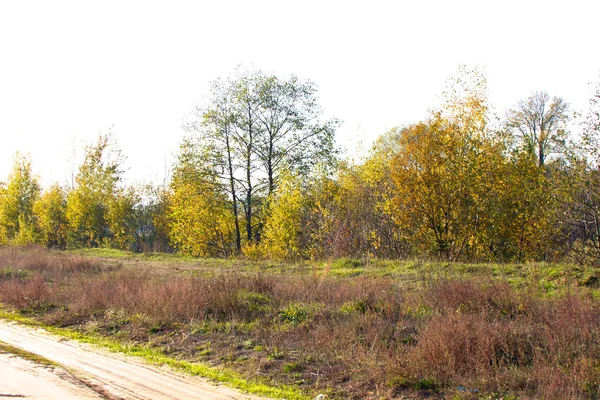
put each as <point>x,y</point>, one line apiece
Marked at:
<point>274,354</point>
<point>345,263</point>
<point>293,367</point>
<point>295,313</point>
<point>204,350</point>
<point>426,384</point>
<point>256,302</point>
<point>10,273</point>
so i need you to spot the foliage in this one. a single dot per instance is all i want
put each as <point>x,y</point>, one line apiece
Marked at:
<point>258,175</point>
<point>283,224</point>
<point>460,191</point>
<point>581,186</point>
<point>198,213</point>
<point>17,197</point>
<point>152,225</point>
<point>50,211</point>
<point>257,126</point>
<point>434,172</point>
<point>539,124</point>
<point>121,218</point>
<point>96,184</point>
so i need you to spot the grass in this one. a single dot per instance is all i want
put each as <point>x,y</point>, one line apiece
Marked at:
<point>549,277</point>
<point>354,329</point>
<point>118,254</point>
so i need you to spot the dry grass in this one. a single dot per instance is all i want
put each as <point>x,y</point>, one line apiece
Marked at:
<point>361,337</point>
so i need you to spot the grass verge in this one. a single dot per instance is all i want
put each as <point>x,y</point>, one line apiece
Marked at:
<point>7,348</point>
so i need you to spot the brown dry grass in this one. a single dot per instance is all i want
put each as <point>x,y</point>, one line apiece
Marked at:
<point>362,337</point>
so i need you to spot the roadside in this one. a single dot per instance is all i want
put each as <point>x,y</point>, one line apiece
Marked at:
<point>113,375</point>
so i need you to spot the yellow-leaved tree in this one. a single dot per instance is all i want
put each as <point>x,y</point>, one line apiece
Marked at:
<point>50,210</point>
<point>17,197</point>
<point>461,191</point>
<point>199,212</point>
<point>95,186</point>
<point>281,237</point>
<point>435,171</point>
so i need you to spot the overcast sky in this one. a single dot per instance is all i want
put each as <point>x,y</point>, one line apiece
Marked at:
<point>69,70</point>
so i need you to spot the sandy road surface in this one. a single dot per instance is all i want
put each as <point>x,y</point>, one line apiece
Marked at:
<point>113,375</point>
<point>21,378</point>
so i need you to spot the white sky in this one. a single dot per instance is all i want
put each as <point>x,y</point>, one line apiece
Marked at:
<point>69,70</point>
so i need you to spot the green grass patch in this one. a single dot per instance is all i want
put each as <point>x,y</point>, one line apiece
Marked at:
<point>103,252</point>
<point>11,273</point>
<point>106,252</point>
<point>7,348</point>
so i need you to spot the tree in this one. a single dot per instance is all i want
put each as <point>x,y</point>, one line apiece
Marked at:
<point>200,223</point>
<point>292,137</point>
<point>121,218</point>
<point>50,211</point>
<point>514,201</point>
<point>434,171</point>
<point>539,124</point>
<point>582,207</point>
<point>590,142</point>
<point>462,192</point>
<point>244,101</point>
<point>257,126</point>
<point>216,125</point>
<point>283,224</point>
<point>348,213</point>
<point>151,219</point>
<point>432,200</point>
<point>96,184</point>
<point>17,197</point>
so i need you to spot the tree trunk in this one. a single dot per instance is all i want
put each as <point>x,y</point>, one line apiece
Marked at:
<point>238,236</point>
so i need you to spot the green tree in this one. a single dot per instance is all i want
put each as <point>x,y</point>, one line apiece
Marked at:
<point>50,211</point>
<point>216,125</point>
<point>292,136</point>
<point>17,197</point>
<point>259,125</point>
<point>121,219</point>
<point>152,227</point>
<point>96,184</point>
<point>200,221</point>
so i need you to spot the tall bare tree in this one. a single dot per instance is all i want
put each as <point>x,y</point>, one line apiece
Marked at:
<point>540,125</point>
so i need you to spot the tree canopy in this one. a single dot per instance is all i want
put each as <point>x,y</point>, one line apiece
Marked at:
<point>258,175</point>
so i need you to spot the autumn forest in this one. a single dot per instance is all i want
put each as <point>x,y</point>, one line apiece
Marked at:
<point>259,175</point>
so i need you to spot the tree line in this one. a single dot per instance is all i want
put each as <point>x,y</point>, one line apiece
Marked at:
<point>258,175</point>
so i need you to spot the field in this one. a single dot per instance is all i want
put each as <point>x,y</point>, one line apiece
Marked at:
<point>350,329</point>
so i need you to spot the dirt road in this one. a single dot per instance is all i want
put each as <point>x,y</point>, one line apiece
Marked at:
<point>21,378</point>
<point>105,374</point>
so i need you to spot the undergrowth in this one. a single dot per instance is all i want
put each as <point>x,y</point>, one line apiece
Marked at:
<point>410,329</point>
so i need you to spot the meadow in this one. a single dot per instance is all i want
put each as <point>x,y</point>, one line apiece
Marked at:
<point>348,328</point>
